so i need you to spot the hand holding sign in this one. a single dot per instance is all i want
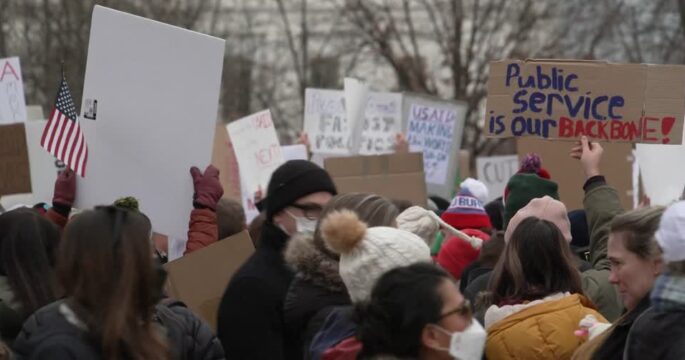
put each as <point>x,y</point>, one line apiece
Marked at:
<point>208,189</point>
<point>590,155</point>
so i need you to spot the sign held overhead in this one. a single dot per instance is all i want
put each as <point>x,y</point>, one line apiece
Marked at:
<point>640,103</point>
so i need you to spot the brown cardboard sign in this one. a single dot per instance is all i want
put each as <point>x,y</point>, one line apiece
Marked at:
<point>15,173</point>
<point>395,176</point>
<point>616,166</point>
<point>223,157</point>
<point>567,99</point>
<point>199,279</point>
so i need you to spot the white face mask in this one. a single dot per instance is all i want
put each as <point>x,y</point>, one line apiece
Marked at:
<point>303,225</point>
<point>468,344</point>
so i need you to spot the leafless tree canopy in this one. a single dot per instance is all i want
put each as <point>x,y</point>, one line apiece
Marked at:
<point>277,48</point>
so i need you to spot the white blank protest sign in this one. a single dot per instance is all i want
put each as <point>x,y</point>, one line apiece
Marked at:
<point>663,174</point>
<point>156,90</point>
<point>12,101</point>
<point>495,172</point>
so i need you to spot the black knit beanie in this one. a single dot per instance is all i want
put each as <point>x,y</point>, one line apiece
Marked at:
<point>293,180</point>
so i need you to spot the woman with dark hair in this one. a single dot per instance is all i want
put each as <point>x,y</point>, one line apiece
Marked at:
<point>112,288</point>
<point>27,279</point>
<point>317,288</point>
<point>536,296</point>
<point>434,323</point>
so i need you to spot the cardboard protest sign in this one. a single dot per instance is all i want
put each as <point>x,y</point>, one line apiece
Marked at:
<point>396,176</point>
<point>223,158</point>
<point>434,127</point>
<point>257,149</point>
<point>15,177</point>
<point>495,172</point>
<point>44,167</point>
<point>325,121</point>
<point>616,166</point>
<point>12,101</point>
<point>149,111</point>
<point>199,279</point>
<point>662,171</point>
<point>568,99</point>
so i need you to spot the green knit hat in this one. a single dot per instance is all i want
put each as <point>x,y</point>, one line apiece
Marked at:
<point>522,189</point>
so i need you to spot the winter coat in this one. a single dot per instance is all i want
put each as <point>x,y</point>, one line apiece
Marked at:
<point>250,322</point>
<point>202,230</point>
<point>11,317</point>
<point>337,328</point>
<point>614,345</point>
<point>542,329</point>
<point>316,289</point>
<point>55,332</point>
<point>601,205</point>
<point>657,335</point>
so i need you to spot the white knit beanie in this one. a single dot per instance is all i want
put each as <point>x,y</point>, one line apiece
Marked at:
<point>671,233</point>
<point>417,220</point>
<point>477,188</point>
<point>368,253</point>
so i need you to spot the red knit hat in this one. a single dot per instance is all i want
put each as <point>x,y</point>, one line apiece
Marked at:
<point>530,164</point>
<point>456,254</point>
<point>466,212</point>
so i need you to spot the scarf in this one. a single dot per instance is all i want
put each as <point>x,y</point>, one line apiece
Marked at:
<point>668,294</point>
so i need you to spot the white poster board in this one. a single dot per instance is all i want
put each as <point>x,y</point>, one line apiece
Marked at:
<point>435,127</point>
<point>257,149</point>
<point>44,167</point>
<point>662,171</point>
<point>495,172</point>
<point>149,109</point>
<point>382,123</point>
<point>294,152</point>
<point>356,97</point>
<point>325,121</point>
<point>12,101</point>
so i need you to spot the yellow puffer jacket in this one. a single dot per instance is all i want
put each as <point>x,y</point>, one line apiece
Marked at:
<point>543,329</point>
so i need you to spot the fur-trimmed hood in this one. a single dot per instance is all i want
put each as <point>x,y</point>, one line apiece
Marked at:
<point>312,264</point>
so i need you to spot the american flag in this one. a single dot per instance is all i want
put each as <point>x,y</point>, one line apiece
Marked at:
<point>62,136</point>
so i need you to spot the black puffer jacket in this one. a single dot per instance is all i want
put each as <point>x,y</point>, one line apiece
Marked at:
<point>54,332</point>
<point>315,291</point>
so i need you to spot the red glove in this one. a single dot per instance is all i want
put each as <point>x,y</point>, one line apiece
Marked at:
<point>208,189</point>
<point>65,189</point>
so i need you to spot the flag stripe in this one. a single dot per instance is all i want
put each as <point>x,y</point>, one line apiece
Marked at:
<point>57,135</point>
<point>53,126</point>
<point>79,158</point>
<point>48,128</point>
<point>73,146</point>
<point>65,137</point>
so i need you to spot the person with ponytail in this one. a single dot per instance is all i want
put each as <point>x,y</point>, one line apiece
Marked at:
<point>28,242</point>
<point>111,309</point>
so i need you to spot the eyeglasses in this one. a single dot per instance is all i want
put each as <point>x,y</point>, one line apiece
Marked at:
<point>310,211</point>
<point>464,310</point>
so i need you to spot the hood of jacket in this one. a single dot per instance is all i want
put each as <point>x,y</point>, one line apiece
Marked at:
<point>311,264</point>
